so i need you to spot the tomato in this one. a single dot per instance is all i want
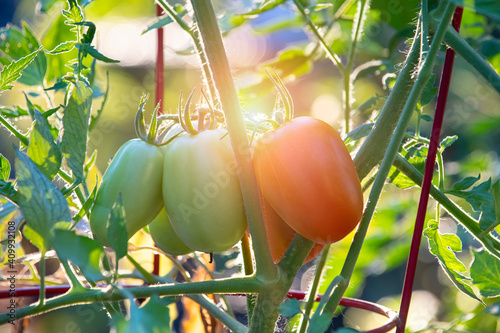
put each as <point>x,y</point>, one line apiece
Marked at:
<point>308,177</point>
<point>280,235</point>
<point>164,236</point>
<point>136,172</point>
<point>201,191</point>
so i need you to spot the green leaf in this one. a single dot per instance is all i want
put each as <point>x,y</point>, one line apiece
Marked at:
<point>161,22</point>
<point>16,44</point>
<point>489,8</point>
<point>290,308</point>
<point>82,251</point>
<point>7,190</point>
<point>464,184</point>
<point>485,273</point>
<point>84,210</point>
<point>42,149</point>
<point>43,206</point>
<point>481,200</point>
<point>13,71</point>
<point>94,53</point>
<point>444,246</point>
<point>320,324</point>
<point>58,33</point>
<point>495,193</point>
<point>46,5</point>
<point>153,317</point>
<point>358,133</point>
<point>62,48</point>
<point>448,141</point>
<point>417,156</point>
<point>76,124</point>
<point>88,37</point>
<point>117,229</point>
<point>426,117</point>
<point>74,14</point>
<point>4,168</point>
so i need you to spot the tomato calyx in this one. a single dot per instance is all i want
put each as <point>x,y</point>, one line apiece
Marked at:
<point>203,111</point>
<point>159,128</point>
<point>283,100</point>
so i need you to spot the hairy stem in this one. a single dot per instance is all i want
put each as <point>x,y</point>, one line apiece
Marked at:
<point>217,58</point>
<point>390,155</point>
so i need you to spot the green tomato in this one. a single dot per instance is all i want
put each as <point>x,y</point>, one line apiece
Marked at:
<point>164,235</point>
<point>136,172</point>
<point>201,191</point>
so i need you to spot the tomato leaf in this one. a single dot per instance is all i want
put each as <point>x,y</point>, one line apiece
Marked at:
<point>117,230</point>
<point>485,273</point>
<point>358,133</point>
<point>42,149</point>
<point>489,8</point>
<point>448,141</point>
<point>43,206</point>
<point>319,324</point>
<point>290,308</point>
<point>84,210</point>
<point>480,198</point>
<point>94,53</point>
<point>153,317</point>
<point>444,246</point>
<point>74,14</point>
<point>16,44</point>
<point>13,71</point>
<point>163,21</point>
<point>4,168</point>
<point>417,156</point>
<point>76,124</point>
<point>62,48</point>
<point>82,251</point>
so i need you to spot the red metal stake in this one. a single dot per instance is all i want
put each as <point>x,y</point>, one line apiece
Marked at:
<point>427,181</point>
<point>159,99</point>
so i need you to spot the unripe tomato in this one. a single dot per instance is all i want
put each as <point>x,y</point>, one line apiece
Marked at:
<point>164,236</point>
<point>308,177</point>
<point>280,235</point>
<point>136,172</point>
<point>201,191</point>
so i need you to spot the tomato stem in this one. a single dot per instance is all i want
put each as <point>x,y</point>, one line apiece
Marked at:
<point>217,59</point>
<point>389,157</point>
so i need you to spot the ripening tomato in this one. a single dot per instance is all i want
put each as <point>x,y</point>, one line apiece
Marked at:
<point>164,236</point>
<point>201,191</point>
<point>280,235</point>
<point>308,177</point>
<point>136,172</point>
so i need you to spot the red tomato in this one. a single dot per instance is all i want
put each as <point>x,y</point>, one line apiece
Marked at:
<point>308,177</point>
<point>280,235</point>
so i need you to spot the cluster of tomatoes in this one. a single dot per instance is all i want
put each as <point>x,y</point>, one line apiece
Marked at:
<point>188,191</point>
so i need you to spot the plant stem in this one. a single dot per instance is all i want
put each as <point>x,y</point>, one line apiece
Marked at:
<point>390,155</point>
<point>489,242</point>
<point>362,6</point>
<point>375,145</point>
<point>461,47</point>
<point>424,22</point>
<point>193,33</point>
<point>221,286</point>
<point>231,323</point>
<point>41,272</point>
<point>335,58</point>
<point>23,138</point>
<point>272,294</point>
<point>76,285</point>
<point>311,299</point>
<point>216,56</point>
<point>248,268</point>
